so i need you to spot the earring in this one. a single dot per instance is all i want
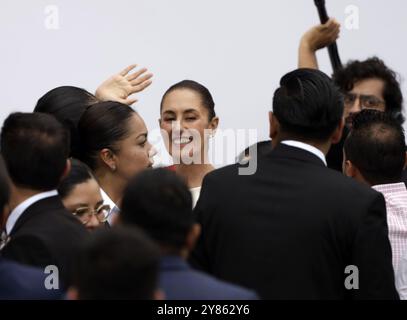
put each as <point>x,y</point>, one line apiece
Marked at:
<point>114,168</point>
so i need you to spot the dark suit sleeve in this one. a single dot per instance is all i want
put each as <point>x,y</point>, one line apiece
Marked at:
<point>199,258</point>
<point>28,250</point>
<point>372,255</point>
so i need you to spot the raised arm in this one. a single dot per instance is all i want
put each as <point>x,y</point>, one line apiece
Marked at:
<point>123,84</point>
<point>316,38</point>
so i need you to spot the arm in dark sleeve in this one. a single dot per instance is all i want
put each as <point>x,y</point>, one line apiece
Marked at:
<point>372,255</point>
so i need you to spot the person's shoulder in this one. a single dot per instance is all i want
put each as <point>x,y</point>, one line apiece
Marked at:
<point>58,214</point>
<point>51,223</point>
<point>346,185</point>
<point>218,289</point>
<point>14,271</point>
<point>220,180</point>
<point>28,246</point>
<point>59,218</point>
<point>349,198</point>
<point>18,281</point>
<point>219,174</point>
<point>11,268</point>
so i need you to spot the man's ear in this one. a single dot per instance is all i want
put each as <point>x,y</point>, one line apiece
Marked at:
<point>349,169</point>
<point>159,122</point>
<point>108,158</point>
<point>274,125</point>
<point>67,169</point>
<point>193,236</point>
<point>337,135</point>
<point>72,294</point>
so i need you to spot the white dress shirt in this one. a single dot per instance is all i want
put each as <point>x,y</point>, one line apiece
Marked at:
<point>306,147</point>
<point>114,209</point>
<point>401,278</point>
<point>19,210</point>
<point>395,195</point>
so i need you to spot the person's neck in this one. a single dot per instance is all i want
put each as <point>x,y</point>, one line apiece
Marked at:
<point>111,184</point>
<point>193,173</point>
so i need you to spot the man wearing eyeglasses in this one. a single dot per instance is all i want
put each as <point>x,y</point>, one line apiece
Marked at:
<point>368,84</point>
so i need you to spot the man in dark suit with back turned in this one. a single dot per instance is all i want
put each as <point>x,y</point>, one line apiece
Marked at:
<point>296,229</point>
<point>39,231</point>
<point>18,281</point>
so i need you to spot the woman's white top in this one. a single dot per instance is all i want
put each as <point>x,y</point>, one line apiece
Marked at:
<point>195,192</point>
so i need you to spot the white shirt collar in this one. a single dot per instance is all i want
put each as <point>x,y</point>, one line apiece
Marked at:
<point>306,147</point>
<point>113,207</point>
<point>390,187</point>
<point>19,210</point>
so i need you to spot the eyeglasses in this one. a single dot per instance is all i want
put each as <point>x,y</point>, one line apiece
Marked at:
<point>365,101</point>
<point>86,213</point>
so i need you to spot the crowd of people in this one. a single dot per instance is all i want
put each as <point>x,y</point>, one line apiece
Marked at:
<point>324,215</point>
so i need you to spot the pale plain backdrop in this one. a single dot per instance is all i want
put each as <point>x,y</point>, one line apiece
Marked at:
<point>238,49</point>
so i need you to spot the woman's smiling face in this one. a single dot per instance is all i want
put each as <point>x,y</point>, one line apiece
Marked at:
<point>185,121</point>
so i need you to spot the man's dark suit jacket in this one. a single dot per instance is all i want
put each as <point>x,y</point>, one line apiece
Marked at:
<point>290,230</point>
<point>18,281</point>
<point>46,234</point>
<point>180,282</point>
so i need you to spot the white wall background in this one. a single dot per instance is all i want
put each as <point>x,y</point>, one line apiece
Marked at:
<point>238,49</point>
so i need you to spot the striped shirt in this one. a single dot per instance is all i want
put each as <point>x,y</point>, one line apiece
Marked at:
<point>395,195</point>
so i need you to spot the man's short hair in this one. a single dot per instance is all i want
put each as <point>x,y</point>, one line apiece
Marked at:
<point>117,263</point>
<point>308,105</point>
<point>374,67</point>
<point>160,203</point>
<point>35,147</point>
<point>376,146</point>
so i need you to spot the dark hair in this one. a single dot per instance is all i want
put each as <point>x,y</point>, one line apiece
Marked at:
<point>67,104</point>
<point>102,126</point>
<point>308,105</point>
<point>78,174</point>
<point>376,146</point>
<point>373,67</point>
<point>203,92</point>
<point>4,187</point>
<point>35,147</point>
<point>160,203</point>
<point>117,263</point>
